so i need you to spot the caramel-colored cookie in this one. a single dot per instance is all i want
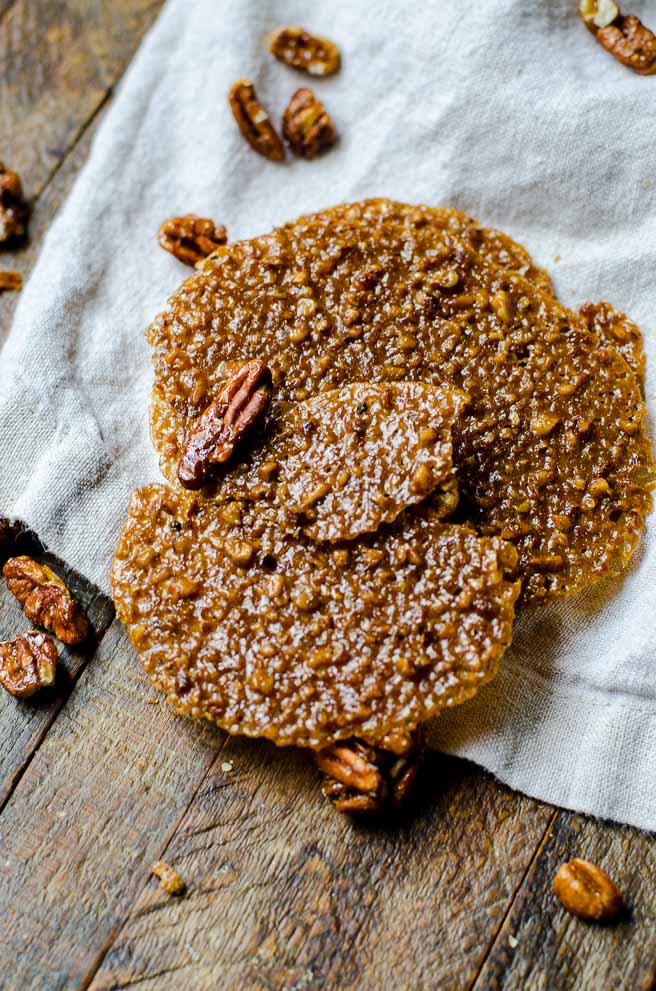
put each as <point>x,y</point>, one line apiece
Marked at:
<point>340,464</point>
<point>550,451</point>
<point>269,634</point>
<point>615,328</point>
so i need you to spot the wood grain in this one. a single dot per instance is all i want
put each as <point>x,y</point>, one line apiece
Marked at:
<point>91,812</point>
<point>541,946</point>
<point>23,724</point>
<point>4,7</point>
<point>59,60</point>
<point>48,204</point>
<point>285,893</point>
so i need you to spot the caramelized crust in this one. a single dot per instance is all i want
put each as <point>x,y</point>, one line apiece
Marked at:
<point>249,624</point>
<point>549,452</point>
<point>340,464</point>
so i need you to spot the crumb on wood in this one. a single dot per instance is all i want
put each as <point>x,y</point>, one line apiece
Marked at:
<point>227,766</point>
<point>169,878</point>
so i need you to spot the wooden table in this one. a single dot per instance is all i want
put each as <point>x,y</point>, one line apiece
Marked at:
<point>97,781</point>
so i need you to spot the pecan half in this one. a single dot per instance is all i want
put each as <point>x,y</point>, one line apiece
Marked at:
<point>361,779</point>
<point>253,121</point>
<point>624,36</point>
<point>299,49</point>
<point>191,238</point>
<point>45,599</point>
<point>587,891</point>
<point>223,425</point>
<point>306,124</point>
<point>27,664</point>
<point>13,208</point>
<point>10,281</point>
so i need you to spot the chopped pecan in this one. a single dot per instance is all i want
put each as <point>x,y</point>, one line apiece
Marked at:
<point>191,238</point>
<point>13,208</point>
<point>361,779</point>
<point>306,125</point>
<point>598,13</point>
<point>27,664</point>
<point>46,599</point>
<point>299,49</point>
<point>10,281</point>
<point>587,891</point>
<point>624,36</point>
<point>223,425</point>
<point>169,878</point>
<point>253,121</point>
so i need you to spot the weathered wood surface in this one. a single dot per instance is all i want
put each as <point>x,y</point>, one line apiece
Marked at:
<point>23,726</point>
<point>96,783</point>
<point>92,810</point>
<point>59,60</point>
<point>284,893</point>
<point>556,951</point>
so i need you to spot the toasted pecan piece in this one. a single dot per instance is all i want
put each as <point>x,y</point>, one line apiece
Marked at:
<point>307,126</point>
<point>10,281</point>
<point>362,779</point>
<point>299,49</point>
<point>191,238</point>
<point>624,36</point>
<point>13,208</point>
<point>27,664</point>
<point>254,122</point>
<point>587,891</point>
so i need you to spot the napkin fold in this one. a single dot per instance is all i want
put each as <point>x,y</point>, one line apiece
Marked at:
<point>506,110</point>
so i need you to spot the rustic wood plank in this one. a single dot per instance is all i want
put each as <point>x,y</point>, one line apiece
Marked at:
<point>49,202</point>
<point>285,893</point>
<point>541,946</point>
<point>59,60</point>
<point>24,723</point>
<point>91,812</point>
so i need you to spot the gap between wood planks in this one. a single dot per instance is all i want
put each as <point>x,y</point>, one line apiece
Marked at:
<point>5,8</point>
<point>513,899</point>
<point>109,942</point>
<point>79,135</point>
<point>76,140</point>
<point>47,726</point>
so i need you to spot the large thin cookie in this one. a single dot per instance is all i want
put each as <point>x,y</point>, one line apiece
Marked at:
<point>550,451</point>
<point>268,634</point>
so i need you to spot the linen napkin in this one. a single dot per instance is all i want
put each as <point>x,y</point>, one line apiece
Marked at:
<point>507,110</point>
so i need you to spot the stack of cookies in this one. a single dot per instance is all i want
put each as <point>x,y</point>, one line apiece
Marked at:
<point>383,434</point>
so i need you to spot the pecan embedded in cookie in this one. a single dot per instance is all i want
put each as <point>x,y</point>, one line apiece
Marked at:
<point>224,424</point>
